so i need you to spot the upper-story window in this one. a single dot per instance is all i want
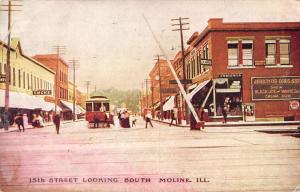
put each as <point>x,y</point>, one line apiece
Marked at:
<point>270,52</point>
<point>284,47</point>
<point>192,63</point>
<point>199,70</point>
<point>205,51</point>
<point>232,52</point>
<point>247,47</point>
<point>277,51</point>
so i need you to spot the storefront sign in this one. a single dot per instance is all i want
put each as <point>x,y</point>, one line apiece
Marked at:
<point>42,92</point>
<point>294,105</point>
<point>229,75</point>
<point>205,61</point>
<point>275,88</point>
<point>2,78</point>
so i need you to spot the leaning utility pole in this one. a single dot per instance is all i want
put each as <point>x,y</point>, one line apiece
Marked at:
<point>159,82</point>
<point>74,65</point>
<point>181,24</point>
<point>59,49</point>
<point>7,69</point>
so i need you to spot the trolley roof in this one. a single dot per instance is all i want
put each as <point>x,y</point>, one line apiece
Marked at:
<point>97,98</point>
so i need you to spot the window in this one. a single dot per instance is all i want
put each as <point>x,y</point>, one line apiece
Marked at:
<point>38,83</point>
<point>14,77</point>
<point>27,81</point>
<point>247,52</point>
<point>24,87</point>
<point>1,68</point>
<point>31,82</point>
<point>34,83</point>
<point>284,51</point>
<point>232,53</point>
<point>19,77</point>
<point>192,64</point>
<point>199,63</point>
<point>205,51</point>
<point>270,52</point>
<point>41,83</point>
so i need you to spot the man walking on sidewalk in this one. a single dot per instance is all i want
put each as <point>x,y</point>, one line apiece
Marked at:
<point>56,121</point>
<point>173,117</point>
<point>148,118</point>
<point>19,121</point>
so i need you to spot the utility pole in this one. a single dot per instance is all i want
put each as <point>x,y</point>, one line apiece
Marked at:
<point>59,49</point>
<point>74,66</point>
<point>181,25</point>
<point>87,83</point>
<point>7,69</point>
<point>159,82</point>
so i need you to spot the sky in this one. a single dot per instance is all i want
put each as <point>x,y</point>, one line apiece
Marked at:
<point>111,39</point>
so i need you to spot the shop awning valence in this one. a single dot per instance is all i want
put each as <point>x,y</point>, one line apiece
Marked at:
<point>24,101</point>
<point>198,88</point>
<point>170,104</point>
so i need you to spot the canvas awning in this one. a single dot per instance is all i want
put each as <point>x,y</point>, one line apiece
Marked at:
<point>25,101</point>
<point>70,106</point>
<point>169,104</point>
<point>198,88</point>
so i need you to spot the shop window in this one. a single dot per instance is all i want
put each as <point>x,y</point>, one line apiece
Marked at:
<point>232,53</point>
<point>284,51</point>
<point>270,52</point>
<point>247,47</point>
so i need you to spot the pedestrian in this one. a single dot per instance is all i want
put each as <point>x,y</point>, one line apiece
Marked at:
<point>19,121</point>
<point>224,113</point>
<point>56,121</point>
<point>148,118</point>
<point>25,120</point>
<point>96,120</point>
<point>173,117</point>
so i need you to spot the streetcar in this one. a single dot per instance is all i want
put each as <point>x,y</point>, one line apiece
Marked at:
<point>98,112</point>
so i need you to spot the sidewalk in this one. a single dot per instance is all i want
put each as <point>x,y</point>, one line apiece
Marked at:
<point>233,123</point>
<point>14,128</point>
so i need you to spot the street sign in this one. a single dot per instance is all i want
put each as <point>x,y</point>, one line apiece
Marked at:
<point>205,61</point>
<point>187,81</point>
<point>2,78</point>
<point>168,90</point>
<point>42,92</point>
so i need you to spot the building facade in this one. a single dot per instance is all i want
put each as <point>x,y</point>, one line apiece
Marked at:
<point>255,66</point>
<point>29,81</point>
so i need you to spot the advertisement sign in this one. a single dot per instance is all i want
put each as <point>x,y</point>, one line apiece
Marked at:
<point>42,92</point>
<point>275,88</point>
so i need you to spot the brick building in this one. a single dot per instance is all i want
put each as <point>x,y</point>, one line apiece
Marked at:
<point>256,66</point>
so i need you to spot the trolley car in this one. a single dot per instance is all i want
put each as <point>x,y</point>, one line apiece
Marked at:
<point>97,112</point>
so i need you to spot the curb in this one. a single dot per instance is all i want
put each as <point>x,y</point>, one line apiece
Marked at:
<point>14,129</point>
<point>234,124</point>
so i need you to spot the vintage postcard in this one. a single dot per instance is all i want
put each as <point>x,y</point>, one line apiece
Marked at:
<point>149,95</point>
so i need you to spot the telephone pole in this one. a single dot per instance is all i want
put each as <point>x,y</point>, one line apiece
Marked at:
<point>59,49</point>
<point>7,69</point>
<point>146,82</point>
<point>87,83</point>
<point>159,82</point>
<point>182,26</point>
<point>75,66</point>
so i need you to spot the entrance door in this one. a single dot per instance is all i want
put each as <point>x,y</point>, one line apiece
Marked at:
<point>249,111</point>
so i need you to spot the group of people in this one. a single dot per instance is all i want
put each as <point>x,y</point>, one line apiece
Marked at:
<point>124,120</point>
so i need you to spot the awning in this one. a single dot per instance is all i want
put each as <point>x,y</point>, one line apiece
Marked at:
<point>70,106</point>
<point>156,105</point>
<point>170,104</point>
<point>198,88</point>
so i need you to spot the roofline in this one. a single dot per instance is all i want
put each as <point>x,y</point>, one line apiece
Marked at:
<point>27,57</point>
